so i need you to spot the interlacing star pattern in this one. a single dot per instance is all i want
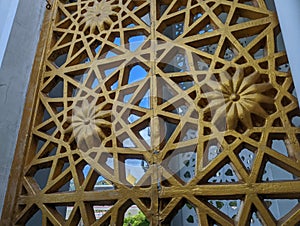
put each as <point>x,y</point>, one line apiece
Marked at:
<point>196,94</point>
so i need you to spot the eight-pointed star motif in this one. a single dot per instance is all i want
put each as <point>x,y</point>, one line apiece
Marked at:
<point>98,15</point>
<point>237,97</point>
<point>86,123</point>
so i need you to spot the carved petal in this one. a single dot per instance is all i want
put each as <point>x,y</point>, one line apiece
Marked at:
<point>231,117</point>
<point>244,115</point>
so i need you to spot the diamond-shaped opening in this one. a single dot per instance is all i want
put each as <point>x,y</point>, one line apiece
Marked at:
<point>144,102</point>
<point>135,42</point>
<point>177,64</point>
<point>162,8</point>
<point>113,82</point>
<point>184,82</point>
<point>188,132</point>
<point>40,174</point>
<point>133,118</point>
<point>128,143</point>
<point>166,93</point>
<point>247,158</point>
<point>107,161</point>
<point>196,15</point>
<point>212,149</point>
<point>95,47</point>
<point>273,172</point>
<point>224,175</point>
<point>137,73</point>
<point>133,215</point>
<point>208,45</point>
<point>117,41</point>
<point>222,12</point>
<point>78,75</point>
<point>277,123</point>
<point>244,15</point>
<point>294,92</point>
<point>174,61</point>
<point>259,50</point>
<point>96,181</point>
<point>248,2</point>
<point>296,121</point>
<point>228,207</point>
<point>109,71</point>
<point>186,215</point>
<point>133,170</point>
<point>82,58</point>
<point>146,18</point>
<point>255,218</point>
<point>230,139</point>
<point>166,128</point>
<point>279,44</point>
<point>285,101</point>
<point>282,65</point>
<point>245,41</point>
<point>59,57</point>
<point>130,25</point>
<point>203,25</point>
<point>110,54</point>
<point>145,133</point>
<point>181,110</point>
<point>141,96</point>
<point>100,209</point>
<point>55,88</point>
<point>127,97</point>
<point>182,163</point>
<point>62,19</point>
<point>280,207</point>
<point>228,51</point>
<point>278,145</point>
<point>73,215</point>
<point>271,5</point>
<point>174,30</point>
<point>201,63</point>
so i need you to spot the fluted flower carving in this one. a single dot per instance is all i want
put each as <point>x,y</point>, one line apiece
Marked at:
<point>87,122</point>
<point>236,97</point>
<point>98,15</point>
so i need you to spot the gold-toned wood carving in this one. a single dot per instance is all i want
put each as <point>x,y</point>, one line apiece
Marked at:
<point>195,95</point>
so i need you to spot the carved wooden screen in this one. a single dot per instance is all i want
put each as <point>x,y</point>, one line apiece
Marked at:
<point>184,110</point>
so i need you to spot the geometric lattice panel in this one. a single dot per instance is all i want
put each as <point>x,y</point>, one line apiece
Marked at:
<point>182,111</point>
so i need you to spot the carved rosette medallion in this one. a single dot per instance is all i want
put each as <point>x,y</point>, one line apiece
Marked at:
<point>236,97</point>
<point>99,15</point>
<point>87,123</point>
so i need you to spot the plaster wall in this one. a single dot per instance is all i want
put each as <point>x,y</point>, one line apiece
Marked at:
<point>8,10</point>
<point>289,17</point>
<point>14,78</point>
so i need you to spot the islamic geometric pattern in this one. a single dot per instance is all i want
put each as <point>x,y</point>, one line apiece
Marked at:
<point>197,93</point>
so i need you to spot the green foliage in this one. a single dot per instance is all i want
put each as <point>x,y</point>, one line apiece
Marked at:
<point>136,220</point>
